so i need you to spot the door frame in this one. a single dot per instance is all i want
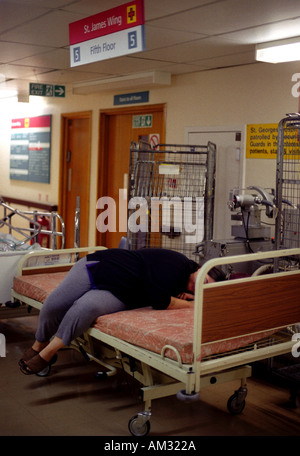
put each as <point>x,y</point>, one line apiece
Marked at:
<point>240,157</point>
<point>63,178</point>
<point>226,129</point>
<point>104,115</point>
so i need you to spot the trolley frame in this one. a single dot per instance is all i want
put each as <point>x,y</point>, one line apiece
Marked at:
<point>173,185</point>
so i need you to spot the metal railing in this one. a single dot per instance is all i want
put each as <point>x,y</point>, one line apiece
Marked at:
<point>29,234</point>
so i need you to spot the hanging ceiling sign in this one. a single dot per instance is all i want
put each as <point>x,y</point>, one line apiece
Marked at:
<point>47,90</point>
<point>112,33</point>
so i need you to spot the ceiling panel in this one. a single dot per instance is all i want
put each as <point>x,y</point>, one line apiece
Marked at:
<point>267,32</point>
<point>197,50</point>
<point>157,8</point>
<point>181,37</point>
<point>48,4</point>
<point>183,68</point>
<point>13,15</point>
<point>20,71</point>
<point>51,29</point>
<point>158,38</point>
<point>231,15</point>
<point>11,53</point>
<point>242,58</point>
<point>90,7</point>
<point>55,59</point>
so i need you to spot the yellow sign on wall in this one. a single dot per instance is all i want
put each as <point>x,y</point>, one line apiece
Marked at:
<point>261,141</point>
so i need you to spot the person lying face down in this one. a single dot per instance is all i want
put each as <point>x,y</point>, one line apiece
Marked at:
<point>215,274</point>
<point>109,281</point>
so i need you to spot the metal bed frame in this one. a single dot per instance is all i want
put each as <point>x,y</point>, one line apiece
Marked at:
<point>30,233</point>
<point>223,311</point>
<point>20,230</point>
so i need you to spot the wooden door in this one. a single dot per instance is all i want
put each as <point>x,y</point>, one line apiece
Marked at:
<point>75,174</point>
<point>117,131</point>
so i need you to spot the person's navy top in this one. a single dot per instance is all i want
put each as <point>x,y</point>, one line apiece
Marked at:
<point>141,278</point>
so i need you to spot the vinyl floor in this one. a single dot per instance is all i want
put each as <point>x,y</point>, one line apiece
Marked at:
<point>70,401</point>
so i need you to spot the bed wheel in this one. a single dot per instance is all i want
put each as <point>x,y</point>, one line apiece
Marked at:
<point>139,425</point>
<point>183,396</point>
<point>236,403</point>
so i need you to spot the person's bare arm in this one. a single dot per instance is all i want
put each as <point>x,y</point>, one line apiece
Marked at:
<point>186,296</point>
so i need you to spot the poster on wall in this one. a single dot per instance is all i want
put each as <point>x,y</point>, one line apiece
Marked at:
<point>30,147</point>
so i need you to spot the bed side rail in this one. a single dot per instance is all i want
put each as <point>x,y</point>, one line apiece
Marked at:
<point>42,261</point>
<point>229,309</point>
<point>250,306</point>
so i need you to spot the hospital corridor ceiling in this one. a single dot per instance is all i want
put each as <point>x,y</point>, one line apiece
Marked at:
<point>181,37</point>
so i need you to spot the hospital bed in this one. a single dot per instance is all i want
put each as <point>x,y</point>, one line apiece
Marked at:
<point>233,324</point>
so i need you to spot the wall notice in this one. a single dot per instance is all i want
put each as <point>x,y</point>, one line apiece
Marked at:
<point>30,149</point>
<point>261,141</point>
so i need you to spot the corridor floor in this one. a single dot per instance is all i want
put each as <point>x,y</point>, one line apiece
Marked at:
<point>72,402</point>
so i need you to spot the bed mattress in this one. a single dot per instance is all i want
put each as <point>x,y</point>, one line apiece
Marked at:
<point>38,286</point>
<point>145,327</point>
<point>153,329</point>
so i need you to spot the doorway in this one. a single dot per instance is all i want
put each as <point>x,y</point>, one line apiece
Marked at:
<point>75,174</point>
<point>229,169</point>
<point>118,128</point>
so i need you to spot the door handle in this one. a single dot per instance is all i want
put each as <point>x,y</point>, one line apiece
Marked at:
<point>69,179</point>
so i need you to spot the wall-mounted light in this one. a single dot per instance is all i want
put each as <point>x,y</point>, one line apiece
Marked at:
<point>287,50</point>
<point>131,81</point>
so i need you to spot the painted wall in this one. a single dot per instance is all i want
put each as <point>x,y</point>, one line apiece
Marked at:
<point>259,93</point>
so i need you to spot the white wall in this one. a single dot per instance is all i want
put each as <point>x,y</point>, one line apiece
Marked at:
<point>259,93</point>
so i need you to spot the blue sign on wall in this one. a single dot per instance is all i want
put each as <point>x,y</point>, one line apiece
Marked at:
<point>131,98</point>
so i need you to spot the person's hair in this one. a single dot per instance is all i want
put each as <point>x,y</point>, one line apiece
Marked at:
<point>217,274</point>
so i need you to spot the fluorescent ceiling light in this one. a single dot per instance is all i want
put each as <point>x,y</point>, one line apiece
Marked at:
<point>287,50</point>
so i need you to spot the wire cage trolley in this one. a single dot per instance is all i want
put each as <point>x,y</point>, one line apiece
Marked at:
<point>171,196</point>
<point>287,232</point>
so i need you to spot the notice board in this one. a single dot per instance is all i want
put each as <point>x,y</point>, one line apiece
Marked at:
<point>30,149</point>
